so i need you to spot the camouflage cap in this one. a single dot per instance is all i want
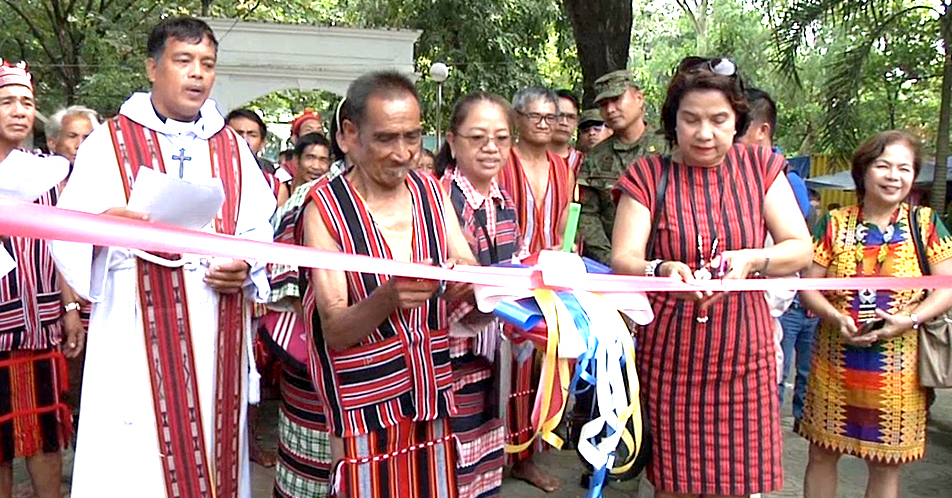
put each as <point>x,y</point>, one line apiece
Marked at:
<point>613,85</point>
<point>590,117</point>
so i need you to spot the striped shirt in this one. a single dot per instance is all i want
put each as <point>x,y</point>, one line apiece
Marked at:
<point>402,370</point>
<point>30,305</point>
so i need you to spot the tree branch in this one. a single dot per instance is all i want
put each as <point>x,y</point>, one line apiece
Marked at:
<point>33,29</point>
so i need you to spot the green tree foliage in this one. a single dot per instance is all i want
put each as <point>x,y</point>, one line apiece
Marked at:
<point>93,52</point>
<point>79,51</point>
<point>882,68</point>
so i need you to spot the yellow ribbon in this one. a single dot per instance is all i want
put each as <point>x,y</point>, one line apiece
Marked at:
<point>558,318</point>
<point>545,426</point>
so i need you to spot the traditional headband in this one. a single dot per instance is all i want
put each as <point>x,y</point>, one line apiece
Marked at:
<point>308,114</point>
<point>15,74</point>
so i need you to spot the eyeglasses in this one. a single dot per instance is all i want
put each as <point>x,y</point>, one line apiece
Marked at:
<point>568,117</point>
<point>717,65</point>
<point>481,141</point>
<point>537,118</point>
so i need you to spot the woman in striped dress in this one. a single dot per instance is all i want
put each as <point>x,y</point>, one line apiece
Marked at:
<point>477,145</point>
<point>707,363</point>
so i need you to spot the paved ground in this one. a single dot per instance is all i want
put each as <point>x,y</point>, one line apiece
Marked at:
<point>928,478</point>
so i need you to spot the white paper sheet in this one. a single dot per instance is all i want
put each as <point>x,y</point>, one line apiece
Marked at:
<point>177,202</point>
<point>26,176</point>
<point>7,264</point>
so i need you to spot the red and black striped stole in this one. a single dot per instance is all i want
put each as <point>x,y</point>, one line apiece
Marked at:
<point>513,181</point>
<point>402,370</point>
<point>273,182</point>
<point>162,296</point>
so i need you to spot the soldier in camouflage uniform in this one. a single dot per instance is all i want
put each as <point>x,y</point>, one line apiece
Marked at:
<point>622,106</point>
<point>591,130</point>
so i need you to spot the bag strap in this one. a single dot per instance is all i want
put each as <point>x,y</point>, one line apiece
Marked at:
<point>917,241</point>
<point>659,204</point>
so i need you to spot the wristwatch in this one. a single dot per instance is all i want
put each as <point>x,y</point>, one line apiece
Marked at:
<point>915,321</point>
<point>652,268</point>
<point>74,306</point>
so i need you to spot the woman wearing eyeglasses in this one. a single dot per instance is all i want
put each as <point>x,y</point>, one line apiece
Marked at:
<point>706,362</point>
<point>477,146</point>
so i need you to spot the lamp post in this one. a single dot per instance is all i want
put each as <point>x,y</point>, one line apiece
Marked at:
<point>438,73</point>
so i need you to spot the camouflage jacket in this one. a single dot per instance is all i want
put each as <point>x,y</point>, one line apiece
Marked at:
<point>598,174</point>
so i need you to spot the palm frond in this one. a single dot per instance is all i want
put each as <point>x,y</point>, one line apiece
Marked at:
<point>802,15</point>
<point>841,88</point>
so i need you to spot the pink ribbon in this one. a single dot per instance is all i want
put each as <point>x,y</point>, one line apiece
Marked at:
<point>20,219</point>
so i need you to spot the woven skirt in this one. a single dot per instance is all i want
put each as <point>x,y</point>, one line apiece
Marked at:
<point>525,381</point>
<point>408,460</point>
<point>304,454</point>
<point>866,402</point>
<point>480,436</point>
<point>33,417</point>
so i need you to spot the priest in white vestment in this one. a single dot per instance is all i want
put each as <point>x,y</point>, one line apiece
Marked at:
<point>117,451</point>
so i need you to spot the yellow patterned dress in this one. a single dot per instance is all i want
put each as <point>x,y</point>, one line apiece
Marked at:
<point>867,401</point>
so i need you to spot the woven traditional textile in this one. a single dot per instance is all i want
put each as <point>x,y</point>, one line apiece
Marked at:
<point>407,460</point>
<point>711,386</point>
<point>304,452</point>
<point>33,418</point>
<point>538,221</point>
<point>30,307</point>
<point>480,437</point>
<point>867,401</point>
<point>402,370</point>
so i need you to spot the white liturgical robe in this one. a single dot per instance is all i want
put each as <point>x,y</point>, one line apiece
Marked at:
<point>117,450</point>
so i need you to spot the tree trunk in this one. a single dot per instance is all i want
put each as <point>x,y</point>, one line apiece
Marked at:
<point>942,140</point>
<point>602,31</point>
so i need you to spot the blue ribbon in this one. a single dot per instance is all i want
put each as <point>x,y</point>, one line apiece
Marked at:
<point>523,314</point>
<point>585,367</point>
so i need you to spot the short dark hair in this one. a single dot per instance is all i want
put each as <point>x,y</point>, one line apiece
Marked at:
<point>693,74</point>
<point>309,140</point>
<point>570,95</point>
<point>187,29</point>
<point>873,147</point>
<point>390,84</point>
<point>287,154</point>
<point>462,110</point>
<point>248,114</point>
<point>763,109</point>
<point>814,194</point>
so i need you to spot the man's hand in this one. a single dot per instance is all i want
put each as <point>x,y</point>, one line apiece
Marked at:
<point>125,213</point>
<point>227,277</point>
<point>75,334</point>
<point>408,293</point>
<point>456,291</point>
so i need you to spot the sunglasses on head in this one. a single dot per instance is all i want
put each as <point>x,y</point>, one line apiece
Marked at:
<point>717,65</point>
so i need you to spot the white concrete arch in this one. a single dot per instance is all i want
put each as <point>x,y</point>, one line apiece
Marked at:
<point>257,58</point>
